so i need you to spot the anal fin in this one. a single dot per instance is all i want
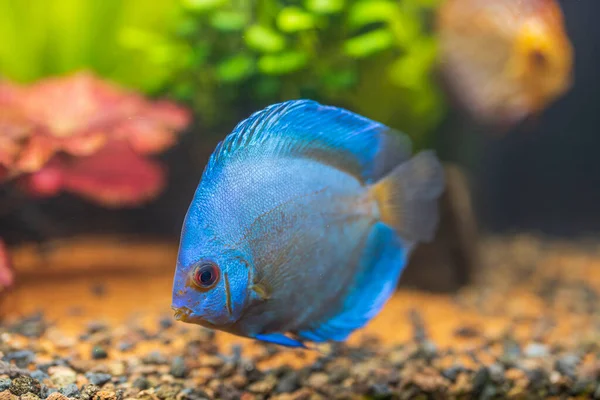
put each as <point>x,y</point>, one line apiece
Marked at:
<point>380,268</point>
<point>280,339</point>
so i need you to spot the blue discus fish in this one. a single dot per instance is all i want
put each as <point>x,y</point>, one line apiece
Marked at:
<point>302,224</point>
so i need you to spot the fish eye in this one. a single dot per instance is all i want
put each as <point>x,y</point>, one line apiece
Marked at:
<point>206,275</point>
<point>538,58</point>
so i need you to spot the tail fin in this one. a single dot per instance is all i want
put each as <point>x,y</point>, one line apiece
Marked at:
<point>408,197</point>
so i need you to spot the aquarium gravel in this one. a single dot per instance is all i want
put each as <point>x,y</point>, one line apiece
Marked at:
<point>545,295</point>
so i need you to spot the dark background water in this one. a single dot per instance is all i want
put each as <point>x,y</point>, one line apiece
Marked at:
<point>541,177</point>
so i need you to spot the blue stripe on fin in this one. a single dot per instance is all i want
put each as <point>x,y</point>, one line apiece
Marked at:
<point>381,265</point>
<point>279,338</point>
<point>305,128</point>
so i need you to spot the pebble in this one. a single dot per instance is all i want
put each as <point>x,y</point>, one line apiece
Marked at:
<point>57,396</point>
<point>452,373</point>
<point>70,390</point>
<point>4,384</point>
<point>39,375</point>
<point>462,385</point>
<point>248,368</point>
<point>287,383</point>
<point>567,365</point>
<point>192,394</point>
<point>496,371</point>
<point>62,376</point>
<point>22,358</point>
<point>511,351</point>
<point>32,326</point>
<point>167,391</point>
<point>102,338</point>
<point>597,392</point>
<point>59,340</point>
<point>29,396</point>
<point>318,380</point>
<point>428,380</point>
<point>536,350</point>
<point>239,381</point>
<point>125,346</point>
<point>141,383</point>
<point>81,365</point>
<point>98,378</point>
<point>467,332</point>
<point>116,368</point>
<point>155,358</point>
<point>418,325</point>
<point>582,386</point>
<point>362,370</point>
<point>211,361</point>
<point>338,374</point>
<point>228,369</point>
<point>165,322</point>
<point>398,356</point>
<point>303,394</point>
<point>538,378</point>
<point>178,367</point>
<point>7,395</point>
<point>489,392</point>
<point>379,390</point>
<point>110,395</point>
<point>98,352</point>
<point>88,392</point>
<point>23,384</point>
<point>265,386</point>
<point>236,353</point>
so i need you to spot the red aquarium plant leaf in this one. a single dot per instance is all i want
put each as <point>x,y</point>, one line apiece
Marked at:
<point>115,176</point>
<point>14,129</point>
<point>6,274</point>
<point>79,115</point>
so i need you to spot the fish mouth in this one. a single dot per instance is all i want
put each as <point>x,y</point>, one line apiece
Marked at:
<point>185,314</point>
<point>182,313</point>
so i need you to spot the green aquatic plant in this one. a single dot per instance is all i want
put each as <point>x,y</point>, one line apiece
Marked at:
<point>229,57</point>
<point>373,56</point>
<point>45,38</point>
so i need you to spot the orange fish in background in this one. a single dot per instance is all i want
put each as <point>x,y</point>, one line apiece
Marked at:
<point>504,60</point>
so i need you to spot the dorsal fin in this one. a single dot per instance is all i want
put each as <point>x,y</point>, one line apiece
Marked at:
<point>305,128</point>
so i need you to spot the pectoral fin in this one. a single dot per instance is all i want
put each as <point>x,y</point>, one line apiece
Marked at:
<point>261,291</point>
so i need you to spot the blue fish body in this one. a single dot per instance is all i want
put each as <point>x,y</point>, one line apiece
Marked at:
<point>301,225</point>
